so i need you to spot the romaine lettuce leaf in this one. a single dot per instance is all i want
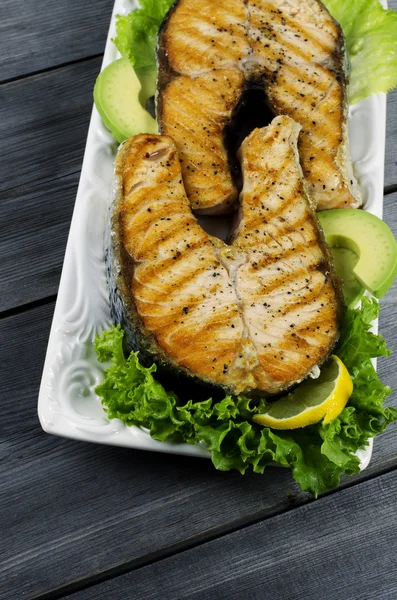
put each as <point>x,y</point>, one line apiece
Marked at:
<point>317,455</point>
<point>371,39</point>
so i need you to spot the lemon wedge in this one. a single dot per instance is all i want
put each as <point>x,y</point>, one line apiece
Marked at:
<point>313,400</point>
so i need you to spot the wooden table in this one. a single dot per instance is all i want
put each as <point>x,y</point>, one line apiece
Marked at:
<point>88,521</point>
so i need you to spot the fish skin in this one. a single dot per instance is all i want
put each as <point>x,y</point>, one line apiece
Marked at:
<point>195,305</point>
<point>294,51</point>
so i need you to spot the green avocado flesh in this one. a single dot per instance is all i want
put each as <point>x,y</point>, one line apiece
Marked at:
<point>116,94</point>
<point>148,80</point>
<point>370,239</point>
<point>344,262</point>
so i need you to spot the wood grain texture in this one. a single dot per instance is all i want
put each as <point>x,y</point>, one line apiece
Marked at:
<point>34,224</point>
<point>43,129</point>
<point>391,141</point>
<point>71,512</point>
<point>391,131</point>
<point>35,36</point>
<point>43,124</point>
<point>341,547</point>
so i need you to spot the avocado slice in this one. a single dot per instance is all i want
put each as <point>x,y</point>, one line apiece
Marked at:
<point>148,80</point>
<point>370,239</point>
<point>344,262</point>
<point>116,95</point>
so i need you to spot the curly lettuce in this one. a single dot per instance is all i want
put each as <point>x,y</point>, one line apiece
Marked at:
<point>317,455</point>
<point>371,39</point>
<point>136,33</point>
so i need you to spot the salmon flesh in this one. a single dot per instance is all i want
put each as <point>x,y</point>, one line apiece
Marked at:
<point>255,316</point>
<point>210,52</point>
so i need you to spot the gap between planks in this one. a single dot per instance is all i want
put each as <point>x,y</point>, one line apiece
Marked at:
<point>345,549</point>
<point>11,312</point>
<point>197,541</point>
<point>50,69</point>
<point>390,189</point>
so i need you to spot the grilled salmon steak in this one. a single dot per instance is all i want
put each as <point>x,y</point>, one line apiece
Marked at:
<point>255,316</point>
<point>210,51</point>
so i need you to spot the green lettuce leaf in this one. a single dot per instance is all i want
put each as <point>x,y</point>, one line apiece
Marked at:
<point>371,39</point>
<point>317,455</point>
<point>136,33</point>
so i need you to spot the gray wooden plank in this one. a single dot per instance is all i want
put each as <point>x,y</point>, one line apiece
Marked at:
<point>43,124</point>
<point>70,512</point>
<point>341,547</point>
<point>33,234</point>
<point>391,131</point>
<point>43,128</point>
<point>33,38</point>
<point>391,141</point>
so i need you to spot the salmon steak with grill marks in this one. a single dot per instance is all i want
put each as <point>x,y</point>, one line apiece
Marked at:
<point>255,316</point>
<point>210,52</point>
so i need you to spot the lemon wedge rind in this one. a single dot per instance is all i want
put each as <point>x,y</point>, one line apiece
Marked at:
<point>326,410</point>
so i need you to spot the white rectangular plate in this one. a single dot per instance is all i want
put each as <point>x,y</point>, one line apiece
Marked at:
<point>68,405</point>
